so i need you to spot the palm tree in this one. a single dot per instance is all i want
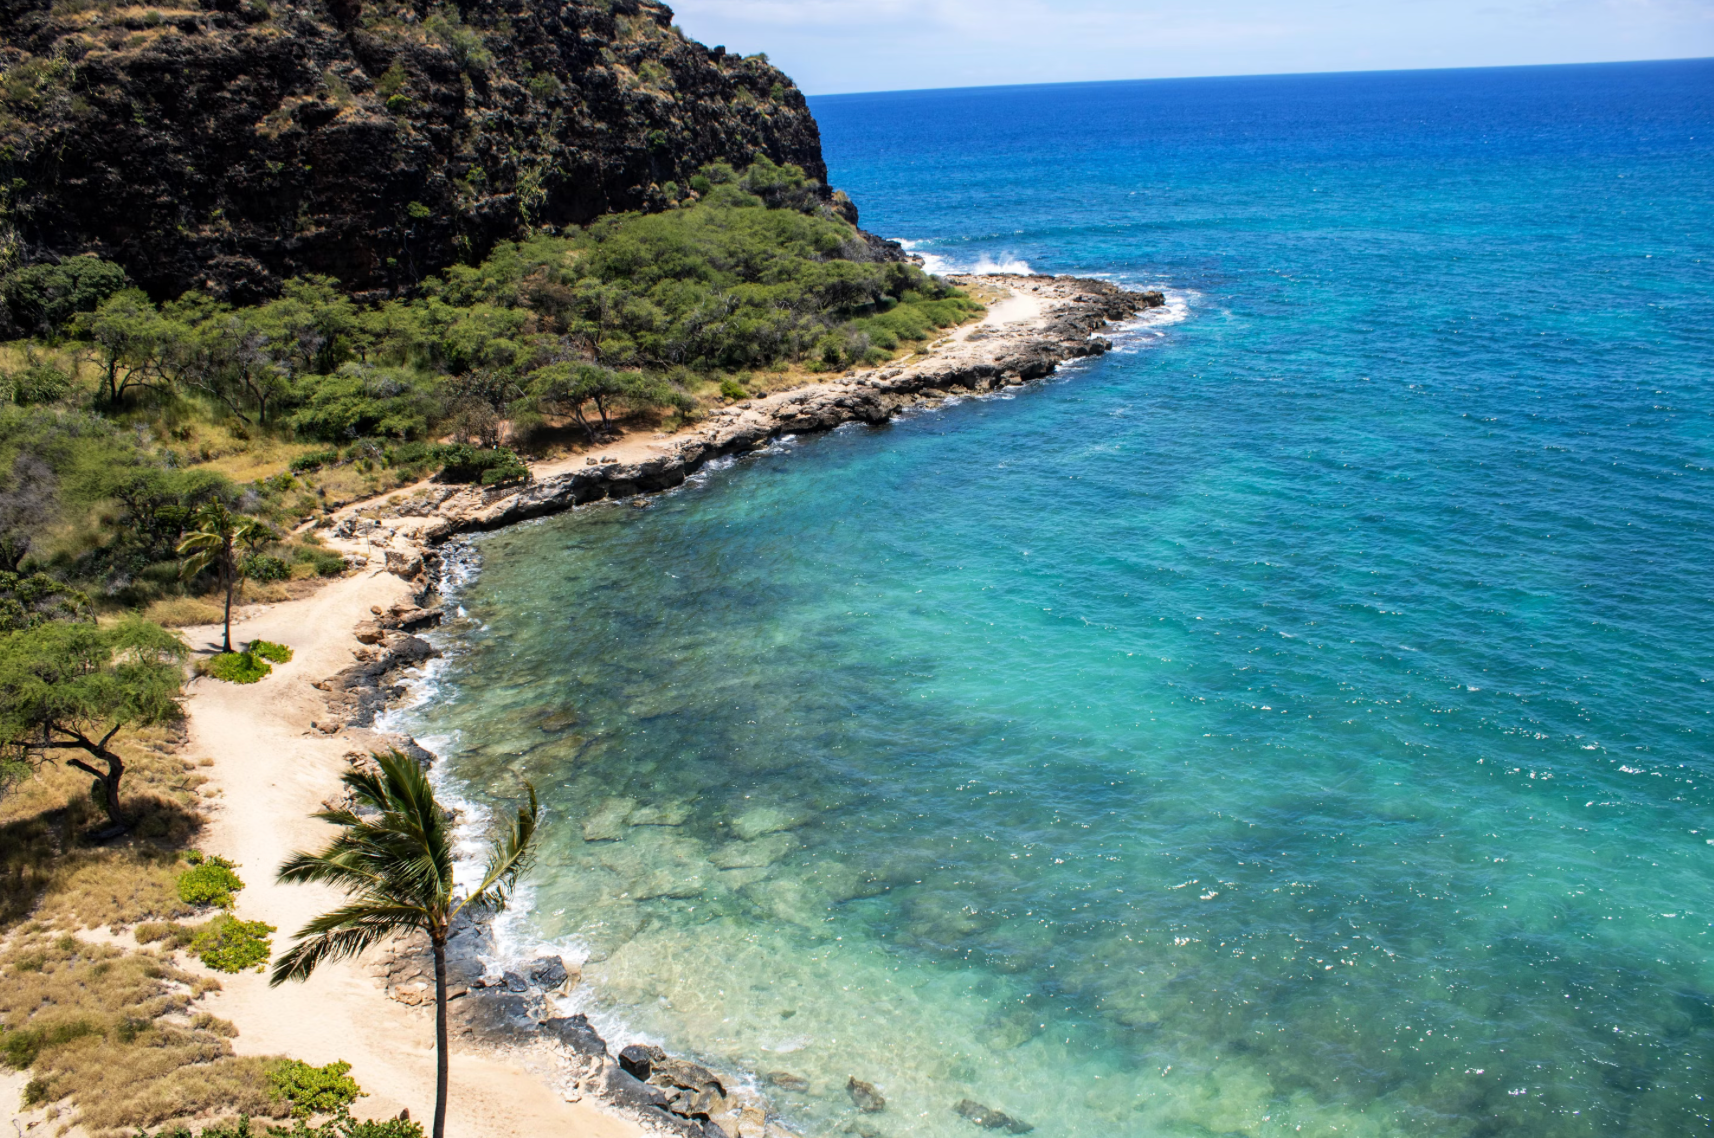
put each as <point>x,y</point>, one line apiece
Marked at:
<point>214,542</point>
<point>397,871</point>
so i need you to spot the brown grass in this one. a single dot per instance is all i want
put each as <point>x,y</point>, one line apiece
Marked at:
<point>115,1036</point>
<point>184,612</point>
<point>48,870</point>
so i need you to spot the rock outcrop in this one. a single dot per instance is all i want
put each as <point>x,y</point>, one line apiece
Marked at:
<point>230,144</point>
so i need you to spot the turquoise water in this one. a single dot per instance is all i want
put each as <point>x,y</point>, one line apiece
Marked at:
<point>1296,722</point>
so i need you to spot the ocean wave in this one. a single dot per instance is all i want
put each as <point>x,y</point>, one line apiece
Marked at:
<point>985,264</point>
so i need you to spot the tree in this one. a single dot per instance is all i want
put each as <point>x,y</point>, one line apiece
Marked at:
<point>128,334</point>
<point>397,870</point>
<point>569,388</point>
<point>214,544</point>
<point>74,686</point>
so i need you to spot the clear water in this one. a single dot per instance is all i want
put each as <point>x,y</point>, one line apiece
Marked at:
<point>1297,722</point>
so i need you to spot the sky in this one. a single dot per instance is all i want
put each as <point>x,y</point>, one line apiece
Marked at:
<point>840,46</point>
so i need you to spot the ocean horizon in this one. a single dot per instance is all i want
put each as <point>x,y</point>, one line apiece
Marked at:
<point>1297,721</point>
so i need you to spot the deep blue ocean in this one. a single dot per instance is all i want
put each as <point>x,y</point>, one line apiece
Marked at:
<point>1300,721</point>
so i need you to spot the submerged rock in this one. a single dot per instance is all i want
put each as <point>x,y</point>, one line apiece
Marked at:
<point>761,820</point>
<point>607,824</point>
<point>990,1119</point>
<point>549,973</point>
<point>867,1098</point>
<point>786,1081</point>
<point>755,855</point>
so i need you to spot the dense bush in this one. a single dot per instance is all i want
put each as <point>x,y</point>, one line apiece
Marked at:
<point>41,298</point>
<point>314,460</point>
<point>313,1090</point>
<point>227,944</point>
<point>463,463</point>
<point>235,667</point>
<point>268,650</point>
<point>266,567</point>
<point>212,882</point>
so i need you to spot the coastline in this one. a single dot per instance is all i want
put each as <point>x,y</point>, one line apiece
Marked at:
<point>281,746</point>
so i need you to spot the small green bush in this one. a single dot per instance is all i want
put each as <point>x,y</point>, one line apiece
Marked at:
<point>211,883</point>
<point>313,1090</point>
<point>732,389</point>
<point>235,667</point>
<point>227,944</point>
<point>314,460</point>
<point>268,650</point>
<point>326,562</point>
<point>461,462</point>
<point>266,567</point>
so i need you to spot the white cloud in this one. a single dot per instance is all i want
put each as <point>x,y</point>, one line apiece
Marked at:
<point>868,45</point>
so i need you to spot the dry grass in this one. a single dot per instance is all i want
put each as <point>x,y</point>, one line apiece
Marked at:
<point>47,871</point>
<point>184,612</point>
<point>115,1036</point>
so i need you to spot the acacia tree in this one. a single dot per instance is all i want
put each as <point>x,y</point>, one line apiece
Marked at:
<point>73,687</point>
<point>397,870</point>
<point>568,389</point>
<point>214,543</point>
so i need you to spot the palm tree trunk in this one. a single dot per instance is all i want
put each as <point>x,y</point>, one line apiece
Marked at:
<point>440,1045</point>
<point>226,645</point>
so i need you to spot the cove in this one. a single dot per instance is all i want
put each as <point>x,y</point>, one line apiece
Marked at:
<point>1298,718</point>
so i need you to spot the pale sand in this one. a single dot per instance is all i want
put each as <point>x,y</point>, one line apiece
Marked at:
<point>272,771</point>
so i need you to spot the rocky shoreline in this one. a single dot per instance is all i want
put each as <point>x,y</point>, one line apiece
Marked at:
<point>973,361</point>
<point>514,1010</point>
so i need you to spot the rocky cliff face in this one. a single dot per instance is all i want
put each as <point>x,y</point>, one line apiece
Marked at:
<point>235,144</point>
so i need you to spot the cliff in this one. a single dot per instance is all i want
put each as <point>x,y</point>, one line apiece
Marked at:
<point>231,146</point>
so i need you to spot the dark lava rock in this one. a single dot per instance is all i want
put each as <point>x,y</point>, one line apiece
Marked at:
<point>235,146</point>
<point>638,1060</point>
<point>990,1119</point>
<point>575,1033</point>
<point>513,982</point>
<point>868,1099</point>
<point>547,973</point>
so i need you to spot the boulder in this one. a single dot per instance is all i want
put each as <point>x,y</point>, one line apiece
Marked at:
<point>786,1081</point>
<point>548,973</point>
<point>990,1119</point>
<point>607,824</point>
<point>576,1034</point>
<point>759,821</point>
<point>867,1098</point>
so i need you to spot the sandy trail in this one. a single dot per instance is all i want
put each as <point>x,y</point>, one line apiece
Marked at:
<point>272,771</point>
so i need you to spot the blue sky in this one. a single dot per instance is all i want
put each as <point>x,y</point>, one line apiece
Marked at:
<point>832,46</point>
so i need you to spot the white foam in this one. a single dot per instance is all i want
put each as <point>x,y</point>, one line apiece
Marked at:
<point>985,264</point>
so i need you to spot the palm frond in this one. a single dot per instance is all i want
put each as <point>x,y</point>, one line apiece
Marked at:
<point>340,934</point>
<point>512,857</point>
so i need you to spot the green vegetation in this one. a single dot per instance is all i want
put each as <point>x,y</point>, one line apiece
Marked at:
<point>209,882</point>
<point>248,666</point>
<point>397,872</point>
<point>129,425</point>
<point>341,1126</point>
<point>313,1090</point>
<point>227,944</point>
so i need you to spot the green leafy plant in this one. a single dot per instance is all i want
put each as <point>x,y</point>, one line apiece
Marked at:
<point>212,882</point>
<point>235,667</point>
<point>732,389</point>
<point>313,1090</point>
<point>227,944</point>
<point>214,544</point>
<point>314,460</point>
<point>266,567</point>
<point>461,462</point>
<point>268,650</point>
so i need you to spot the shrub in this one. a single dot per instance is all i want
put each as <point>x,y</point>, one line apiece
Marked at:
<point>265,567</point>
<point>732,389</point>
<point>327,563</point>
<point>210,883</point>
<point>313,1090</point>
<point>39,382</point>
<point>314,460</point>
<point>227,944</point>
<point>268,650</point>
<point>43,297</point>
<point>20,1048</point>
<point>461,462</point>
<point>168,934</point>
<point>235,667</point>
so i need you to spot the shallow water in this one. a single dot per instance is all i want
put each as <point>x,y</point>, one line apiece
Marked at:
<point>1296,722</point>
